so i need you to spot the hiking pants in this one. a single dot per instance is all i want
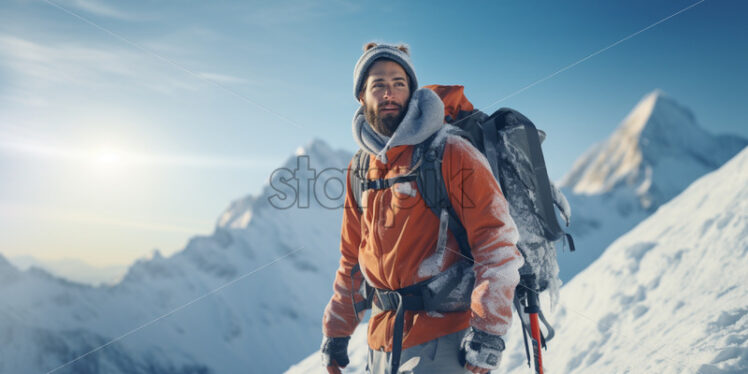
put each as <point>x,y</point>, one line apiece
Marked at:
<point>438,356</point>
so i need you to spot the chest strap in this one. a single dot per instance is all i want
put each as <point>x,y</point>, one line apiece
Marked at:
<point>381,184</point>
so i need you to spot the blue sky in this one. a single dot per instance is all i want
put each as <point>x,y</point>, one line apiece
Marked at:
<point>128,126</point>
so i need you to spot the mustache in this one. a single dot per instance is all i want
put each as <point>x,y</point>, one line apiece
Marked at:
<point>390,103</point>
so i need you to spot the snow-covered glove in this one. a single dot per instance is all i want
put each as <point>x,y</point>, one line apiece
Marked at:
<point>335,349</point>
<point>481,349</point>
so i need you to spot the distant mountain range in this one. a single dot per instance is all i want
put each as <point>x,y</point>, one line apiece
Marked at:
<point>73,269</point>
<point>248,298</point>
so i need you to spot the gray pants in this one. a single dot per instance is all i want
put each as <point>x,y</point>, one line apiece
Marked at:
<point>438,356</point>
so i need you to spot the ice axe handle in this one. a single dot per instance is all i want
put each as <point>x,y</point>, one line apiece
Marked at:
<point>535,332</point>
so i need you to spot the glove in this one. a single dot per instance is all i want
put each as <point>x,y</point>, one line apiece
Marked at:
<point>335,349</point>
<point>481,349</point>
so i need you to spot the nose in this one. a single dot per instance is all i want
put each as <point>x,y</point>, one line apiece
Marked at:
<point>388,92</point>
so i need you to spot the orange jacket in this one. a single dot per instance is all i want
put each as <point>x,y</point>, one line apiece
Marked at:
<point>396,235</point>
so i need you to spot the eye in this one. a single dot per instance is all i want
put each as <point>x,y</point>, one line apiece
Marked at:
<point>400,84</point>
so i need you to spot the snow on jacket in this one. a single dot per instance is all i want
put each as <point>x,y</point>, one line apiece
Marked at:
<point>394,240</point>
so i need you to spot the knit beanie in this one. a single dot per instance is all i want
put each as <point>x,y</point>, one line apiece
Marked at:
<point>373,52</point>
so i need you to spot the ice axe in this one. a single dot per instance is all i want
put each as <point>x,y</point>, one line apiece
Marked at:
<point>527,303</point>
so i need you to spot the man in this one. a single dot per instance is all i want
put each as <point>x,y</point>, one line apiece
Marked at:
<point>395,237</point>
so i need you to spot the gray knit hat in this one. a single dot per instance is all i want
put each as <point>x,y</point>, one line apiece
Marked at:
<point>373,52</point>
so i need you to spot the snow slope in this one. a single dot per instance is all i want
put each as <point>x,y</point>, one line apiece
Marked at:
<point>248,298</point>
<point>669,296</point>
<point>655,153</point>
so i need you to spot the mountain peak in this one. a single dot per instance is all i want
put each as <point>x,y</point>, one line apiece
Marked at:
<point>316,145</point>
<point>639,117</point>
<point>656,151</point>
<point>6,266</point>
<point>658,118</point>
<point>316,159</point>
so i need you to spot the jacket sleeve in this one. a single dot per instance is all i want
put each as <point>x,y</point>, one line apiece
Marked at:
<point>339,319</point>
<point>492,234</point>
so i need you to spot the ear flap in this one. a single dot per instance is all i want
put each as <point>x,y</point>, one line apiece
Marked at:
<point>369,46</point>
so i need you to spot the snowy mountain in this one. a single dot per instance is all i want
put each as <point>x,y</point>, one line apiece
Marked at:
<point>667,297</point>
<point>248,298</point>
<point>655,153</point>
<point>72,269</point>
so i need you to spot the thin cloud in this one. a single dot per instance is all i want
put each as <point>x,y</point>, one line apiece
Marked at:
<point>100,9</point>
<point>37,68</point>
<point>298,11</point>
<point>222,78</point>
<point>50,63</point>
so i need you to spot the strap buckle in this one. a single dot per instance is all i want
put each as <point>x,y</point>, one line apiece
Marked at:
<point>377,184</point>
<point>388,300</point>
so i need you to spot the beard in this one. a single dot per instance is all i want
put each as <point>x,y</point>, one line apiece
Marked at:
<point>384,124</point>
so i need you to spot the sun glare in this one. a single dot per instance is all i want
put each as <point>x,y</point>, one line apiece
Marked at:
<point>108,159</point>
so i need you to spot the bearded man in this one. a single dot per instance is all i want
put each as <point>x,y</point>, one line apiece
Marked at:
<point>395,239</point>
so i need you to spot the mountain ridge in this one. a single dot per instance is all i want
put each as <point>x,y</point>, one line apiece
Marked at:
<point>656,152</point>
<point>641,150</point>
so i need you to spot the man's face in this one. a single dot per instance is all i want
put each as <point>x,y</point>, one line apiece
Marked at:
<point>385,96</point>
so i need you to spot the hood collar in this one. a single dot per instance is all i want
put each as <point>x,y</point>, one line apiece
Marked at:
<point>424,117</point>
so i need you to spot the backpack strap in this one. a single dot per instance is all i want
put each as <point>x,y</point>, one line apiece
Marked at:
<point>553,230</point>
<point>433,188</point>
<point>490,140</point>
<point>527,138</point>
<point>360,183</point>
<point>357,176</point>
